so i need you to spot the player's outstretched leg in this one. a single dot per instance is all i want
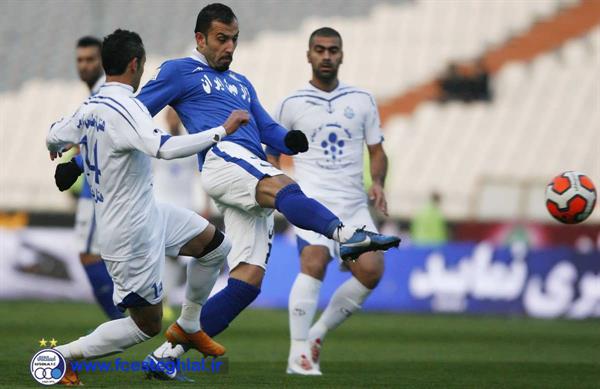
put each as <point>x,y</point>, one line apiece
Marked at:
<point>282,193</point>
<point>114,337</point>
<point>347,299</point>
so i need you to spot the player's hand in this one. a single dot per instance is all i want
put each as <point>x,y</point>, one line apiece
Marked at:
<point>377,196</point>
<point>55,154</point>
<point>296,141</point>
<point>236,119</point>
<point>66,174</point>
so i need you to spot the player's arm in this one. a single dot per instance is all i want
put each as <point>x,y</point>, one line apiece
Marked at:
<point>377,157</point>
<point>186,145</point>
<point>379,166</point>
<point>62,135</point>
<point>164,88</point>
<point>156,143</point>
<point>282,116</point>
<point>274,135</point>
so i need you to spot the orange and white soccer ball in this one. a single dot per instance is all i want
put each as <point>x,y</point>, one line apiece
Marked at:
<point>571,197</point>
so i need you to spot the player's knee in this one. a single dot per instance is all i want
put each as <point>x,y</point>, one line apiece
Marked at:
<point>150,326</point>
<point>369,273</point>
<point>314,266</point>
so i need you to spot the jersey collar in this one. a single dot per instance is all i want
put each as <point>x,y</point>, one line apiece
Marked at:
<point>198,56</point>
<point>339,86</point>
<point>117,86</point>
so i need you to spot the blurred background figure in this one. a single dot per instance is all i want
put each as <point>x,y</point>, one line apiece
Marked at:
<point>429,226</point>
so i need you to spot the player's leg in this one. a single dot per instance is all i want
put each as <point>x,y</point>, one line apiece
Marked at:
<point>94,267</point>
<point>302,306</point>
<point>137,288</point>
<point>189,234</point>
<point>349,297</point>
<point>284,194</point>
<point>247,262</point>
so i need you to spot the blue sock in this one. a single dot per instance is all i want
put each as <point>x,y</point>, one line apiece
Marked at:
<point>102,286</point>
<point>305,212</point>
<point>223,307</point>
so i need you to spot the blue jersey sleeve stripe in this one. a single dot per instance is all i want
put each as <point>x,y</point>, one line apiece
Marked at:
<point>116,110</point>
<point>163,139</point>
<point>240,162</point>
<point>119,104</point>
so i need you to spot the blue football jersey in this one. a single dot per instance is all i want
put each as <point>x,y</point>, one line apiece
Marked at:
<point>204,98</point>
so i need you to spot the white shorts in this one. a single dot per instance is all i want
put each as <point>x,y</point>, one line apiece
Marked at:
<point>229,176</point>
<point>138,281</point>
<point>85,227</point>
<point>350,216</point>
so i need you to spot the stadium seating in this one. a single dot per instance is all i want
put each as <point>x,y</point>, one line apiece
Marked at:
<point>543,111</point>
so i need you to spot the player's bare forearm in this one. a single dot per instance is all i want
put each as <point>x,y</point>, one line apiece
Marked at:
<point>379,164</point>
<point>273,160</point>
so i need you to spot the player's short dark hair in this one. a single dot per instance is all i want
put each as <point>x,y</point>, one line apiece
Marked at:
<point>216,11</point>
<point>325,32</point>
<point>118,49</point>
<point>89,41</point>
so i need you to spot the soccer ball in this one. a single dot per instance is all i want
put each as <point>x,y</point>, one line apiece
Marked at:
<point>570,197</point>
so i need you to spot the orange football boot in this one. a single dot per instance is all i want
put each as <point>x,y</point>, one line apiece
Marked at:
<point>198,340</point>
<point>70,378</point>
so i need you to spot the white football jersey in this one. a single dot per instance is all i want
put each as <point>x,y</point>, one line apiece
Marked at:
<point>174,181</point>
<point>337,125</point>
<point>117,136</point>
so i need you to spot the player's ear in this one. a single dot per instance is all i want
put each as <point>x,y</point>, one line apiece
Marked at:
<point>200,39</point>
<point>308,55</point>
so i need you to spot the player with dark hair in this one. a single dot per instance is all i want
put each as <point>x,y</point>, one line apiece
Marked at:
<point>117,138</point>
<point>339,120</point>
<point>89,68</point>
<point>235,172</point>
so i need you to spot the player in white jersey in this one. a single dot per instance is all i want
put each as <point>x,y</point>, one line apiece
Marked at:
<point>338,121</point>
<point>89,68</point>
<point>117,138</point>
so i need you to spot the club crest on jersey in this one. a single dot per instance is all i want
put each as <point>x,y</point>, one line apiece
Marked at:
<point>332,143</point>
<point>349,112</point>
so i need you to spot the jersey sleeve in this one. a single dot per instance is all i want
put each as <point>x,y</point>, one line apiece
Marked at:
<point>165,87</point>
<point>283,117</point>
<point>136,130</point>
<point>64,132</point>
<point>271,133</point>
<point>373,132</point>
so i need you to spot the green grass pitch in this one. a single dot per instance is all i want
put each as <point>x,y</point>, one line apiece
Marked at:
<point>369,350</point>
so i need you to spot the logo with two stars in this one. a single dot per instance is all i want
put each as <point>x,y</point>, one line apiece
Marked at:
<point>48,366</point>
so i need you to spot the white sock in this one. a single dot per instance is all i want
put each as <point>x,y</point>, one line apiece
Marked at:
<point>302,308</point>
<point>108,338</point>
<point>343,233</point>
<point>189,318</point>
<point>167,350</point>
<point>202,274</point>
<point>346,300</point>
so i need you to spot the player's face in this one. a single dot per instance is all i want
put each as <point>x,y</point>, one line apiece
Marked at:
<point>219,44</point>
<point>89,64</point>
<point>325,56</point>
<point>137,69</point>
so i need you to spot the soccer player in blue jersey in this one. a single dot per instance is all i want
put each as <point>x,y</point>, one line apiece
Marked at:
<point>89,68</point>
<point>235,172</point>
